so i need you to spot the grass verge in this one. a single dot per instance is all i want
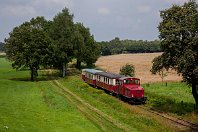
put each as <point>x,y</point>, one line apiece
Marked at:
<point>174,98</point>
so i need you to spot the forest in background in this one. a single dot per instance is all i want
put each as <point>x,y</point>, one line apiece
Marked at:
<point>117,46</point>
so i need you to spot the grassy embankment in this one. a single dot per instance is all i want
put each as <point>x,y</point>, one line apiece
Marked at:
<point>36,106</point>
<point>175,98</point>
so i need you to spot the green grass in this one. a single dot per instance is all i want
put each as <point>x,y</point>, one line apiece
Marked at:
<point>175,98</point>
<point>35,106</point>
<point>113,107</point>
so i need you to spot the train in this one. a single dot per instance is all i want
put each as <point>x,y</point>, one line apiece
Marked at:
<point>124,87</point>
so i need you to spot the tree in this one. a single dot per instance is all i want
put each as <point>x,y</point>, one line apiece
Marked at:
<point>1,46</point>
<point>179,41</point>
<point>61,33</point>
<point>86,49</point>
<point>92,51</point>
<point>79,43</point>
<point>27,45</point>
<point>128,70</point>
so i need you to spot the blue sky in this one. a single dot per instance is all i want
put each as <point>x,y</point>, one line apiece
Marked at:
<point>107,19</point>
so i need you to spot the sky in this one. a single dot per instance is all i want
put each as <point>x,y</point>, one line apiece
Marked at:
<point>106,19</point>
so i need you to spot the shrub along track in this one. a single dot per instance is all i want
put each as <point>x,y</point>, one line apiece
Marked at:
<point>177,121</point>
<point>100,119</point>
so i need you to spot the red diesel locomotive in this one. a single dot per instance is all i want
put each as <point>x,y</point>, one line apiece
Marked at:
<point>125,87</point>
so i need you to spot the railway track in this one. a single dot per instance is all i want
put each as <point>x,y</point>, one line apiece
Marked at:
<point>100,119</point>
<point>192,126</point>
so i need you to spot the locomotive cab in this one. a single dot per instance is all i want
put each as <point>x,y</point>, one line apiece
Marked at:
<point>130,88</point>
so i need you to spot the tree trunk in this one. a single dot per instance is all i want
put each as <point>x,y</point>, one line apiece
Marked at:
<point>64,70</point>
<point>78,64</point>
<point>32,73</point>
<point>195,93</point>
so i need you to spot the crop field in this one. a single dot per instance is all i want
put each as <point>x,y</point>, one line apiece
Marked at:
<point>68,104</point>
<point>142,63</point>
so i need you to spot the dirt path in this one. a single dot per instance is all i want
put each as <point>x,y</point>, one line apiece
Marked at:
<point>100,119</point>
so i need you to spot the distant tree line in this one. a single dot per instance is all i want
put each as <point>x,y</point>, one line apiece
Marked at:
<point>117,46</point>
<point>1,46</point>
<point>51,44</point>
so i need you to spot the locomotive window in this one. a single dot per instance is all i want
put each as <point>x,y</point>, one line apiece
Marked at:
<point>126,81</point>
<point>117,82</point>
<point>135,81</point>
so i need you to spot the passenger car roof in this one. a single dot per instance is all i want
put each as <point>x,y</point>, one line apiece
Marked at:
<point>122,78</point>
<point>93,71</point>
<point>109,75</point>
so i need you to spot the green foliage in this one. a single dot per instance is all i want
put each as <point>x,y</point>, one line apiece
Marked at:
<point>51,44</point>
<point>179,41</point>
<point>117,46</point>
<point>1,46</point>
<point>128,70</point>
<point>61,32</point>
<point>86,49</point>
<point>27,45</point>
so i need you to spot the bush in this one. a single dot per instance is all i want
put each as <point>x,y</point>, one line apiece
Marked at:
<point>128,70</point>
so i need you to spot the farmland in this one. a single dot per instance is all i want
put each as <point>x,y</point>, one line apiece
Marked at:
<point>142,63</point>
<point>54,104</point>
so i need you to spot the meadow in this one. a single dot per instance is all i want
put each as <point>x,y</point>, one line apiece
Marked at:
<point>43,106</point>
<point>34,106</point>
<point>142,63</point>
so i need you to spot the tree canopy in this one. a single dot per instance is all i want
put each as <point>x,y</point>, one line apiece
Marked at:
<point>61,32</point>
<point>51,44</point>
<point>117,46</point>
<point>1,46</point>
<point>26,46</point>
<point>128,70</point>
<point>179,41</point>
<point>86,49</point>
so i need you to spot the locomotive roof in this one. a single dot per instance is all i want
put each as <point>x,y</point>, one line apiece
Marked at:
<point>109,75</point>
<point>93,71</point>
<point>122,78</point>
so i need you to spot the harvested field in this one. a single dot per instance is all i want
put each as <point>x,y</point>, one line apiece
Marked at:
<point>2,53</point>
<point>142,63</point>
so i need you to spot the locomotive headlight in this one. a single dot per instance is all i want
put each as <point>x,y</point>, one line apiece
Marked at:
<point>132,95</point>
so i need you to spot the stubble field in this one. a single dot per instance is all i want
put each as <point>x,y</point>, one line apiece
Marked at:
<point>142,63</point>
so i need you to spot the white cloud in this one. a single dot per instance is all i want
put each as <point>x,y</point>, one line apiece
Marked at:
<point>144,9</point>
<point>103,11</point>
<point>17,10</point>
<point>176,1</point>
<point>52,3</point>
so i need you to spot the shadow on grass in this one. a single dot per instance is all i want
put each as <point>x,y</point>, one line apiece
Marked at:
<point>47,75</point>
<point>27,79</point>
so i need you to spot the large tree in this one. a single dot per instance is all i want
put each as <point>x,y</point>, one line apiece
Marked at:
<point>86,50</point>
<point>1,46</point>
<point>61,33</point>
<point>179,40</point>
<point>27,45</point>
